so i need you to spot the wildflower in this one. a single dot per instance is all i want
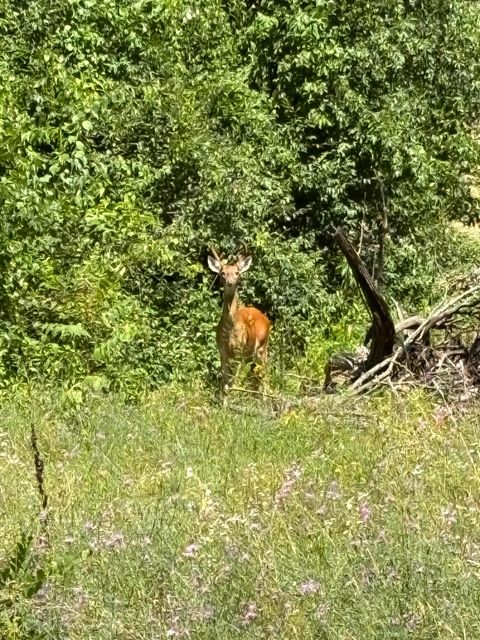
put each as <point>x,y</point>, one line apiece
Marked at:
<point>333,491</point>
<point>249,614</point>
<point>191,550</point>
<point>309,587</point>
<point>115,541</point>
<point>450,514</point>
<point>322,611</point>
<point>440,414</point>
<point>89,526</point>
<point>290,478</point>
<point>203,615</point>
<point>365,512</point>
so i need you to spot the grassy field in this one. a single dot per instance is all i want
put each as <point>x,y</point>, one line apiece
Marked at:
<point>174,518</point>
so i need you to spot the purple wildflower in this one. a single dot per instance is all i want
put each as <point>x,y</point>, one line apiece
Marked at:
<point>115,541</point>
<point>309,587</point>
<point>191,550</point>
<point>365,512</point>
<point>333,491</point>
<point>249,614</point>
<point>450,514</point>
<point>203,614</point>
<point>289,480</point>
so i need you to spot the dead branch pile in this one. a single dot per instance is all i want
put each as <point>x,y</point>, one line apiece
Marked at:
<point>441,351</point>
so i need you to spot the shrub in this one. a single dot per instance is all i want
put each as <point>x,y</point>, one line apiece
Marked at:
<point>136,134</point>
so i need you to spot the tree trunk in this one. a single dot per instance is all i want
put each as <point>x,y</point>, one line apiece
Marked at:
<point>382,330</point>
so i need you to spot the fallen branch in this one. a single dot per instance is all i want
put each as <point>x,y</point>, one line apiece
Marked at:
<point>383,329</point>
<point>427,350</point>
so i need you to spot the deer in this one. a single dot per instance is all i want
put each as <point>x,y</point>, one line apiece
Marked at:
<point>242,332</point>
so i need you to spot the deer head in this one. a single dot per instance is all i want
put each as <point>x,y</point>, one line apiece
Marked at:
<point>229,273</point>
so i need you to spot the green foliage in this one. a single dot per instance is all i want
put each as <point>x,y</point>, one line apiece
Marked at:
<point>373,97</point>
<point>343,335</point>
<point>135,134</point>
<point>21,578</point>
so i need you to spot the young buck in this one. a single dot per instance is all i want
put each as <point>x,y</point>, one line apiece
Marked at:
<point>242,332</point>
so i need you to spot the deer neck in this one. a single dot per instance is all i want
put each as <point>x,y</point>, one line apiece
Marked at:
<point>230,307</point>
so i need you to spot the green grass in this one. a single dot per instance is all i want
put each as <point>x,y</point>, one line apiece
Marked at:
<point>176,518</point>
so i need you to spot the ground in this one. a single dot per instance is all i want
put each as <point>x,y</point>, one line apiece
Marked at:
<point>174,517</point>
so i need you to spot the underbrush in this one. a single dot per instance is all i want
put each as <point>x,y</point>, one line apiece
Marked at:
<point>173,517</point>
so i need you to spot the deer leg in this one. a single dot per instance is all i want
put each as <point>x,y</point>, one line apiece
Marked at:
<point>227,376</point>
<point>259,366</point>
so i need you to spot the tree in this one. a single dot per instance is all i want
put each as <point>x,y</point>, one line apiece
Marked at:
<point>133,135</point>
<point>379,100</point>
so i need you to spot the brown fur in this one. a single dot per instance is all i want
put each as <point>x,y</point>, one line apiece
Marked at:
<point>248,337</point>
<point>242,332</point>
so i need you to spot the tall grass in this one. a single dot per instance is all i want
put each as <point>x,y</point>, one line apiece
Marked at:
<point>176,518</point>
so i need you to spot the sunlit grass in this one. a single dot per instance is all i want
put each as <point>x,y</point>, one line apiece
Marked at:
<point>176,518</point>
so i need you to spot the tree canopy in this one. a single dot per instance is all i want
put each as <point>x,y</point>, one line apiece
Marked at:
<point>135,134</point>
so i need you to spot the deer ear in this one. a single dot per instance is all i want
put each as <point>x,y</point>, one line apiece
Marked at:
<point>245,263</point>
<point>214,264</point>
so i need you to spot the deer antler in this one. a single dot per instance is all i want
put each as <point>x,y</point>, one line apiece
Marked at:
<point>244,248</point>
<point>215,254</point>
